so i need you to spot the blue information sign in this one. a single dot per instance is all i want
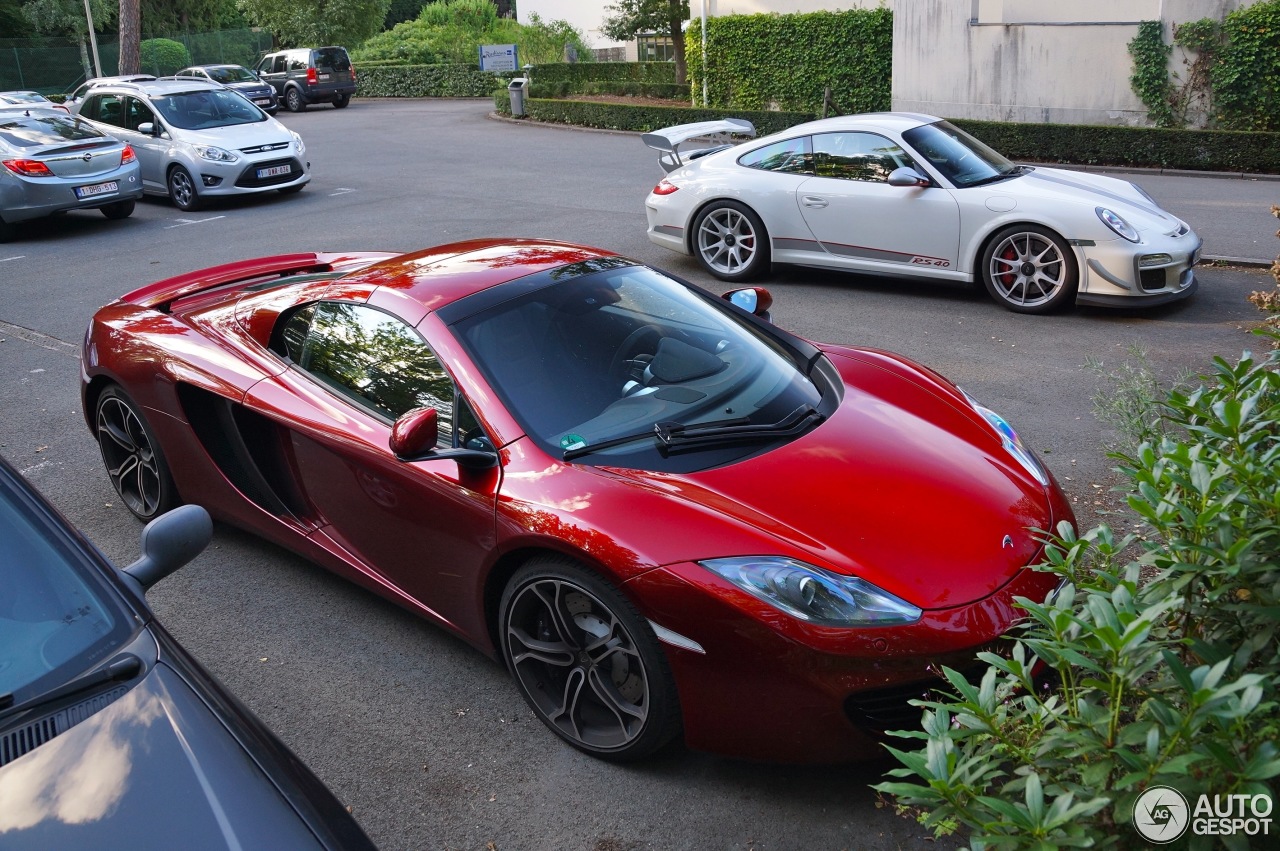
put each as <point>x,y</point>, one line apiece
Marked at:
<point>499,57</point>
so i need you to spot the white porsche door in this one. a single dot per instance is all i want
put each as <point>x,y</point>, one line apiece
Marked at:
<point>865,223</point>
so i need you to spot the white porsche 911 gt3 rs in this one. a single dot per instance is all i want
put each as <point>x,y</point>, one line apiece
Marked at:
<point>901,194</point>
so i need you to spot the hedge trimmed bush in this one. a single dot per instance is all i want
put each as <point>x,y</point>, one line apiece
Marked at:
<point>416,81</point>
<point>163,56</point>
<point>788,60</point>
<point>616,116</point>
<point>1207,150</point>
<point>577,75</point>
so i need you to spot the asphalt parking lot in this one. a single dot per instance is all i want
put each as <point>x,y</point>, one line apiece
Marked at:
<point>427,741</point>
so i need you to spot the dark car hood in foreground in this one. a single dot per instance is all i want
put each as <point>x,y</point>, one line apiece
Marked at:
<point>153,770</point>
<point>904,486</point>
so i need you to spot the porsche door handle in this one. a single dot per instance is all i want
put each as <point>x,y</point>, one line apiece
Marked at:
<point>813,201</point>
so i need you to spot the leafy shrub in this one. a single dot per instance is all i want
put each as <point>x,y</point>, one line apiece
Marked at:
<point>1172,681</point>
<point>1246,78</point>
<point>416,81</point>
<point>643,119</point>
<point>787,61</point>
<point>162,56</point>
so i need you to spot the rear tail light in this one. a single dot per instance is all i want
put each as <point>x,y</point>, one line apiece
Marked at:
<point>127,155</point>
<point>665,187</point>
<point>28,168</point>
<point>353,73</point>
<point>312,77</point>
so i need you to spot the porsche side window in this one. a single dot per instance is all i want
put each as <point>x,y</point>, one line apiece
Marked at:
<point>857,156</point>
<point>791,156</point>
<point>374,359</point>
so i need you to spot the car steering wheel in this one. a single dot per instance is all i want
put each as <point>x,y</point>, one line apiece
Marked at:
<point>642,340</point>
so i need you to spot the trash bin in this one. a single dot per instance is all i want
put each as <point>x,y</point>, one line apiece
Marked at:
<point>516,90</point>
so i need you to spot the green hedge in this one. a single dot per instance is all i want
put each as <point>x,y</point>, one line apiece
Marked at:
<point>616,116</point>
<point>578,74</point>
<point>1149,147</point>
<point>789,60</point>
<point>416,81</point>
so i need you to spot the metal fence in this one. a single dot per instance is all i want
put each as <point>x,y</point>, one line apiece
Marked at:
<point>54,65</point>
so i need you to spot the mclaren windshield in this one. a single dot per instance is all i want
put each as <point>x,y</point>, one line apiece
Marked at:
<point>626,367</point>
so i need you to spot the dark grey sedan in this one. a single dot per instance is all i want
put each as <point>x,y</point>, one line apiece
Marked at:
<point>239,79</point>
<point>111,735</point>
<point>51,163</point>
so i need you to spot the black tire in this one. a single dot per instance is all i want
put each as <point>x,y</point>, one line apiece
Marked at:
<point>1029,269</point>
<point>291,190</point>
<point>730,241</point>
<point>342,101</point>
<point>293,100</point>
<point>182,189</point>
<point>132,456</point>
<point>118,210</point>
<point>586,661</point>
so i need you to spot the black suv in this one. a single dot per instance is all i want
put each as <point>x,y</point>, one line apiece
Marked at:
<point>309,75</point>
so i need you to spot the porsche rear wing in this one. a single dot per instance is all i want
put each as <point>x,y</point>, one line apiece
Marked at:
<point>667,142</point>
<point>162,293</point>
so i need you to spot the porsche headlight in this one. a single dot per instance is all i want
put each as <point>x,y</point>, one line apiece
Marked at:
<point>1011,442</point>
<point>217,155</point>
<point>1117,223</point>
<point>812,594</point>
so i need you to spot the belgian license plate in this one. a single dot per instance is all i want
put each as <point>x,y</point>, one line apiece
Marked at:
<point>324,76</point>
<point>274,171</point>
<point>97,189</point>
<point>262,101</point>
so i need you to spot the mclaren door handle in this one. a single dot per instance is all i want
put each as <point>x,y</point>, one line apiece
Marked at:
<point>813,201</point>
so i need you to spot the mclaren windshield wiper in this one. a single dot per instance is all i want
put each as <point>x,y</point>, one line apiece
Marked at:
<point>123,667</point>
<point>675,436</point>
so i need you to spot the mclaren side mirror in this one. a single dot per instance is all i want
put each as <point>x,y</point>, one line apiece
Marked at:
<point>907,176</point>
<point>414,437</point>
<point>756,300</point>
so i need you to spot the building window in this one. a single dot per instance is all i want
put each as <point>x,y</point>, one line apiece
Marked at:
<point>655,48</point>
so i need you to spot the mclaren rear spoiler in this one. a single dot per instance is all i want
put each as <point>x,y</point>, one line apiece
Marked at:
<point>667,142</point>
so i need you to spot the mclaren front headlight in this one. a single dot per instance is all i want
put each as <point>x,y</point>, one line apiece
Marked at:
<point>812,594</point>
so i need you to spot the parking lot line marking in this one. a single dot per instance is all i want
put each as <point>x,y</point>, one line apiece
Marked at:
<point>342,190</point>
<point>184,222</point>
<point>14,257</point>
<point>53,344</point>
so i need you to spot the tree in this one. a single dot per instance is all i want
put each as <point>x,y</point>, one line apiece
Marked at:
<point>317,22</point>
<point>130,37</point>
<point>662,17</point>
<point>66,17</point>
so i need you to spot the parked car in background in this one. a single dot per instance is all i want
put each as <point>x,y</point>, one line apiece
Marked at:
<point>197,139</point>
<point>74,99</point>
<point>111,734</point>
<point>310,75</point>
<point>239,79</point>
<point>50,163</point>
<point>664,513</point>
<point>30,99</point>
<point>907,195</point>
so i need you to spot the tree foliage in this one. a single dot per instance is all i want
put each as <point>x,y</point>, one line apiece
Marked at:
<point>66,17</point>
<point>306,23</point>
<point>632,18</point>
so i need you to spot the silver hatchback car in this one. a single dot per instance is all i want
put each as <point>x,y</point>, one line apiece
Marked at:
<point>51,164</point>
<point>197,140</point>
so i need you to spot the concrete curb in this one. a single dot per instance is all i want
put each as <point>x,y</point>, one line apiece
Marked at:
<point>1237,261</point>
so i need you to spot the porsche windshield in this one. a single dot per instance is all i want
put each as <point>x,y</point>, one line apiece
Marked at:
<point>204,109</point>
<point>961,158</point>
<point>625,360</point>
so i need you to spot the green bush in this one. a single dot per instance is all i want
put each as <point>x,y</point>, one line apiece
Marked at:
<point>1208,150</point>
<point>416,81</point>
<point>162,56</point>
<point>1172,680</point>
<point>643,119</point>
<point>757,61</point>
<point>577,75</point>
<point>1246,77</point>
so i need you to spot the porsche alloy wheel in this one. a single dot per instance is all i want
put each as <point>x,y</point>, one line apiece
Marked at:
<point>587,662</point>
<point>182,189</point>
<point>132,457</point>
<point>1029,270</point>
<point>730,241</point>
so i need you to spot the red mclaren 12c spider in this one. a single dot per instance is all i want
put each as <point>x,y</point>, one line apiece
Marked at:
<point>667,515</point>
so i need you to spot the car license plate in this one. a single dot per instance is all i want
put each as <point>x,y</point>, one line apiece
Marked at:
<point>275,171</point>
<point>97,189</point>
<point>324,76</point>
<point>262,101</point>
